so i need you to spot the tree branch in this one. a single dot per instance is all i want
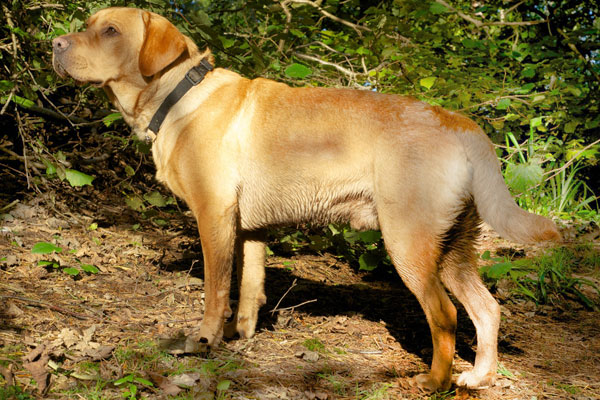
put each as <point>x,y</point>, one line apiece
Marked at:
<point>357,28</point>
<point>345,71</point>
<point>480,24</point>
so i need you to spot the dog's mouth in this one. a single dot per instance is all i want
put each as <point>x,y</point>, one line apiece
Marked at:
<point>63,73</point>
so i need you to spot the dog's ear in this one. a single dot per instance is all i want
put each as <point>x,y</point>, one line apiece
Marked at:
<point>163,44</point>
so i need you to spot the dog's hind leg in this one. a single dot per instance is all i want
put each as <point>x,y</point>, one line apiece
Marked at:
<point>458,270</point>
<point>250,259</point>
<point>414,250</point>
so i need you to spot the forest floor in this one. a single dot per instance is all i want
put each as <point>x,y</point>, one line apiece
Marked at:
<point>328,330</point>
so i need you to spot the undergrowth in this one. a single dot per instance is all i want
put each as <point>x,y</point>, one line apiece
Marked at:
<point>547,279</point>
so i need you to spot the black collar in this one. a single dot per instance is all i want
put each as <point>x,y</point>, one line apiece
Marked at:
<point>193,77</point>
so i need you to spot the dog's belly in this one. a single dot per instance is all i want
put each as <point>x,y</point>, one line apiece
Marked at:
<point>319,203</point>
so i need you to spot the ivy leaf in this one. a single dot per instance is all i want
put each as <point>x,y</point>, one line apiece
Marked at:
<point>298,71</point>
<point>78,178</point>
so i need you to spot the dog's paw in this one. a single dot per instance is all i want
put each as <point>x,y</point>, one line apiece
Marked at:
<point>244,327</point>
<point>428,384</point>
<point>472,380</point>
<point>210,334</point>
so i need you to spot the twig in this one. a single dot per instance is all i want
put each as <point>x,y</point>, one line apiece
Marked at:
<point>44,304</point>
<point>282,297</point>
<point>288,21</point>
<point>571,161</point>
<point>346,71</point>
<point>357,28</point>
<point>578,53</point>
<point>481,24</point>
<point>293,307</point>
<point>9,206</point>
<point>15,156</point>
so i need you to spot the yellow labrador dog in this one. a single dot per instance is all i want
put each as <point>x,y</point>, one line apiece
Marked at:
<point>251,154</point>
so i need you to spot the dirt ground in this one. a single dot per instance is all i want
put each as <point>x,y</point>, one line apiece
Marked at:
<point>327,332</point>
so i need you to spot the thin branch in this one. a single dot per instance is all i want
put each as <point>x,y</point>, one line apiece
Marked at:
<point>581,56</point>
<point>44,304</point>
<point>480,24</point>
<point>288,21</point>
<point>282,297</point>
<point>357,28</point>
<point>571,161</point>
<point>346,71</point>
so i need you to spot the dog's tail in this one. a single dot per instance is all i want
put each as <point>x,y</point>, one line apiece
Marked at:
<point>494,202</point>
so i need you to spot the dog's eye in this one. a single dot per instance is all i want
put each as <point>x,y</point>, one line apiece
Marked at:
<point>110,31</point>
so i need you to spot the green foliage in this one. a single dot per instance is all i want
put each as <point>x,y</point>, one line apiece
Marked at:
<point>363,249</point>
<point>14,393</point>
<point>46,248</point>
<point>546,279</point>
<point>131,383</point>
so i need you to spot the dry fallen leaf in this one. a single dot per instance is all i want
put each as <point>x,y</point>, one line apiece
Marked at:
<point>36,361</point>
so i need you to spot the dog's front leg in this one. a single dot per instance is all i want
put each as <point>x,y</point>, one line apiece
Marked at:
<point>217,230</point>
<point>250,257</point>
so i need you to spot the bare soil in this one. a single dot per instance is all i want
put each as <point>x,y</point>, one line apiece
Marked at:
<point>327,332</point>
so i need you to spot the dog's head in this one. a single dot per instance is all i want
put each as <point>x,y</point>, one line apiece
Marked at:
<point>119,44</point>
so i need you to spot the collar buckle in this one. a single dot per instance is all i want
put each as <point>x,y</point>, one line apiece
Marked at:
<point>194,76</point>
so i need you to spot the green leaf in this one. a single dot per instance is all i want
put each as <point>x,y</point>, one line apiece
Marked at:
<point>129,170</point>
<point>297,71</point>
<point>5,86</point>
<point>71,271</point>
<point>125,379</point>
<point>45,248</point>
<point>351,236</point>
<point>369,237</point>
<point>156,199</point>
<point>469,43</point>
<point>437,8</point>
<point>227,42</point>
<point>297,33</point>
<point>134,202</point>
<point>143,381</point>
<point>521,177</point>
<point>368,262</point>
<point>111,119</point>
<point>499,270</point>
<point>46,263</point>
<point>90,269</point>
<point>503,104</point>
<point>528,73</point>
<point>428,82</point>
<point>224,385</point>
<point>571,126</point>
<point>78,178</point>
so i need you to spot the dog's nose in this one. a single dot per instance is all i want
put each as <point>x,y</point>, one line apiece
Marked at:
<point>60,44</point>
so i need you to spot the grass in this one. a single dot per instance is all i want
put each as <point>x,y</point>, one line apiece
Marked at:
<point>549,278</point>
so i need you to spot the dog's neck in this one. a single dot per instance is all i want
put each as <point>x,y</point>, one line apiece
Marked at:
<point>138,106</point>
